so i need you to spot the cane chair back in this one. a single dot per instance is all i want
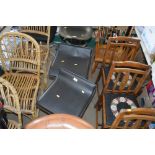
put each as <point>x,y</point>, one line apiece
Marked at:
<point>42,30</point>
<point>121,49</point>
<point>126,77</point>
<point>20,58</point>
<point>139,118</point>
<point>19,52</point>
<point>11,102</point>
<point>42,35</point>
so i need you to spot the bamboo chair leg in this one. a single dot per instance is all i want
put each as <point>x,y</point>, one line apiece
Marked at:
<point>45,80</point>
<point>20,121</point>
<point>36,112</point>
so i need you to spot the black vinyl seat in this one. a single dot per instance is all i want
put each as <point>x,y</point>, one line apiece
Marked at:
<point>76,59</point>
<point>70,93</point>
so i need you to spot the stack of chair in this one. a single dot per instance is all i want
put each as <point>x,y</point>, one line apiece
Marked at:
<point>71,92</point>
<point>20,59</point>
<point>122,78</point>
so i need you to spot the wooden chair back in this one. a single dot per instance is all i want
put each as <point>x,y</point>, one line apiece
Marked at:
<point>135,119</point>
<point>19,52</point>
<point>42,30</point>
<point>121,48</point>
<point>126,77</point>
<point>11,101</point>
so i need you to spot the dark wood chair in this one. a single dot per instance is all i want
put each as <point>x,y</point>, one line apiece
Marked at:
<point>119,48</point>
<point>59,121</point>
<point>139,118</point>
<point>121,86</point>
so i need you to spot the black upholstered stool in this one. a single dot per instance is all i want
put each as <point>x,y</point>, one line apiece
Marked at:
<point>70,94</point>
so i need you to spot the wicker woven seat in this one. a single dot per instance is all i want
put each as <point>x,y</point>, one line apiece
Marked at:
<point>25,85</point>
<point>11,102</point>
<point>20,57</point>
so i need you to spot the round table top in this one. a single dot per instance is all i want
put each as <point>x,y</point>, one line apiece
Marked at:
<point>59,121</point>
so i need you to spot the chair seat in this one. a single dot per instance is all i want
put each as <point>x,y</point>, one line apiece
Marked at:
<point>119,103</point>
<point>76,59</point>
<point>26,86</point>
<point>69,94</point>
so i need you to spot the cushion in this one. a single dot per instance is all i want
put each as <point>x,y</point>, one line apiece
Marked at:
<point>122,101</point>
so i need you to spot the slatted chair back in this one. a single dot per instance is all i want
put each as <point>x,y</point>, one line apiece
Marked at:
<point>135,119</point>
<point>19,52</point>
<point>121,48</point>
<point>126,77</point>
<point>42,30</point>
<point>11,101</point>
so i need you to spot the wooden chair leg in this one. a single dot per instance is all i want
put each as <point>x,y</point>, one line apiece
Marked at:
<point>94,66</point>
<point>96,115</point>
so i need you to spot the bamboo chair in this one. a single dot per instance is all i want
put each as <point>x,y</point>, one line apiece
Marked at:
<point>11,102</point>
<point>20,58</point>
<point>118,48</point>
<point>120,87</point>
<point>42,35</point>
<point>139,118</point>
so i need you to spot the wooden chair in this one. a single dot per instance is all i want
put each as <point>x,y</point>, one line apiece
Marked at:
<point>59,121</point>
<point>118,48</point>
<point>42,35</point>
<point>11,102</point>
<point>20,58</point>
<point>121,85</point>
<point>139,118</point>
